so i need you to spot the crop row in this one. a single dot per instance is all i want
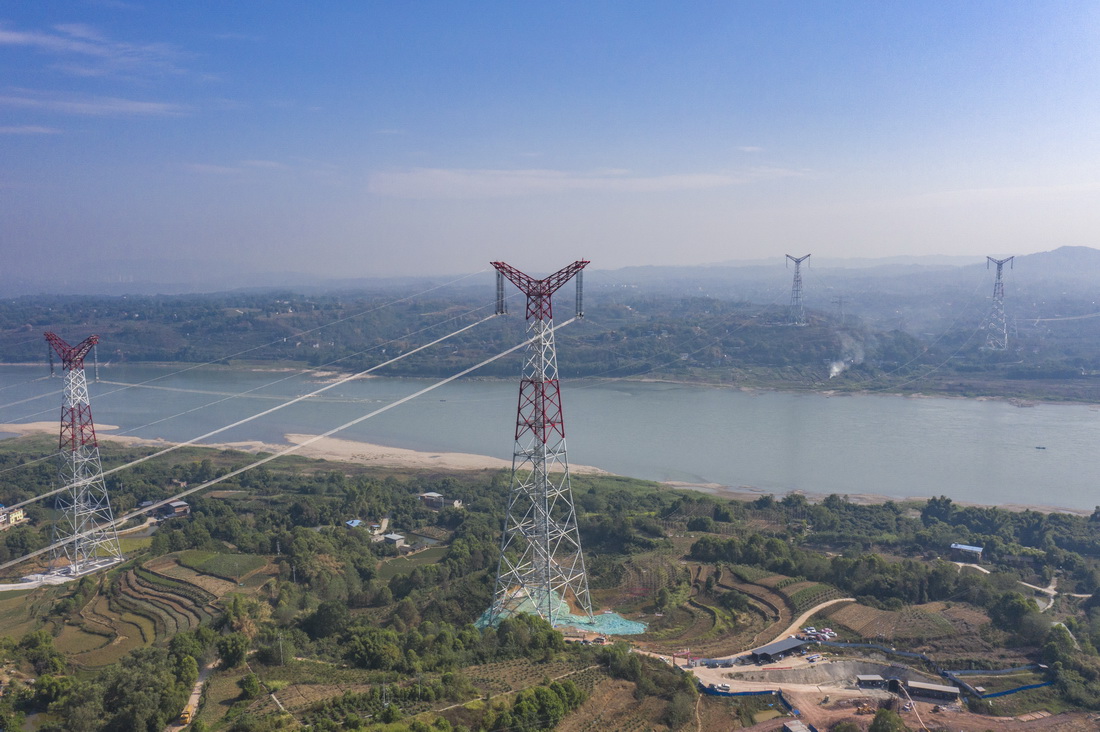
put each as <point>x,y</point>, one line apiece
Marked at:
<point>749,574</point>
<point>787,582</point>
<point>186,604</point>
<point>197,595</point>
<point>807,597</point>
<point>181,613</point>
<point>163,625</point>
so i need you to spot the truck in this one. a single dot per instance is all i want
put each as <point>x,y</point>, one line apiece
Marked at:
<point>185,716</point>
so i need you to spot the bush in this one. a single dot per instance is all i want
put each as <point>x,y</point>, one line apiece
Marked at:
<point>250,686</point>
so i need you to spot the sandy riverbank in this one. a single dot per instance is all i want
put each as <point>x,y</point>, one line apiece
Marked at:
<point>326,448</point>
<point>365,453</point>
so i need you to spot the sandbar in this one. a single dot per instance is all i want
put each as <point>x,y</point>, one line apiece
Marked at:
<point>324,448</point>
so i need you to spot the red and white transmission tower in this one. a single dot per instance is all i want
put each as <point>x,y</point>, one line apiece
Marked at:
<point>541,567</point>
<point>85,524</point>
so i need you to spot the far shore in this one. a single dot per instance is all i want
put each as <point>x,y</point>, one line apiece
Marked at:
<point>327,374</point>
<point>382,456</point>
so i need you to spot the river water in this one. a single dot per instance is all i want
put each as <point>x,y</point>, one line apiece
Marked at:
<point>977,451</point>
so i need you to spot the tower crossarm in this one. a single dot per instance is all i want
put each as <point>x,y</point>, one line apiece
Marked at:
<point>539,291</point>
<point>72,357</point>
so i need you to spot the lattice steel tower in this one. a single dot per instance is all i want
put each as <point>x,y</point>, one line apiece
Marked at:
<point>798,314</point>
<point>541,567</point>
<point>85,524</point>
<point>997,340</point>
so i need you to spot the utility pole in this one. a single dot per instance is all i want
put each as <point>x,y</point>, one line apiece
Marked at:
<point>90,542</point>
<point>997,340</point>
<point>541,568</point>
<point>798,313</point>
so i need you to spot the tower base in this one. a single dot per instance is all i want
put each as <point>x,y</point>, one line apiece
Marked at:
<point>605,623</point>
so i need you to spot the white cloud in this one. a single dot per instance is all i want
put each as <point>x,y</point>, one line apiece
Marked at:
<point>487,183</point>
<point>460,183</point>
<point>207,169</point>
<point>265,164</point>
<point>750,149</point>
<point>28,130</point>
<point>92,106</point>
<point>102,56</point>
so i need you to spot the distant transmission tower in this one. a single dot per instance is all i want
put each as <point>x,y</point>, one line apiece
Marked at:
<point>84,526</point>
<point>998,326</point>
<point>798,313</point>
<point>541,568</point>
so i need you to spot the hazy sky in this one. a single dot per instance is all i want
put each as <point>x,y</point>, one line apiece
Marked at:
<point>376,138</point>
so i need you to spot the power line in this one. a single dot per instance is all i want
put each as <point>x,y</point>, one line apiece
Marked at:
<point>291,449</point>
<point>264,413</point>
<point>278,340</point>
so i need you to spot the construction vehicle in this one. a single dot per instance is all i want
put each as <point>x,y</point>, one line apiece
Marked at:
<point>865,709</point>
<point>185,717</point>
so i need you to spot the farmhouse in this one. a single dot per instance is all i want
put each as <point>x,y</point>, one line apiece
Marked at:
<point>9,518</point>
<point>795,725</point>
<point>174,509</point>
<point>436,501</point>
<point>967,553</point>
<point>775,651</point>
<point>395,539</point>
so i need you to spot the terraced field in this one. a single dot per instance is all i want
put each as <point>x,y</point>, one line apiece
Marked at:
<point>17,615</point>
<point>912,623</point>
<point>76,639</point>
<point>171,606</point>
<point>611,706</point>
<point>138,607</point>
<point>122,632</point>
<point>507,676</point>
<point>198,569</point>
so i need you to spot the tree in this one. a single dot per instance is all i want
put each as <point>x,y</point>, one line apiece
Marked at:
<point>937,509</point>
<point>887,721</point>
<point>330,618</point>
<point>250,686</point>
<point>232,649</point>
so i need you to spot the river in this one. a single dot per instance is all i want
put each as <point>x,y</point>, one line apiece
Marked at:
<point>980,451</point>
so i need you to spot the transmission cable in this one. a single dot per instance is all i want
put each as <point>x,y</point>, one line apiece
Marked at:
<point>300,333</point>
<point>264,413</point>
<point>282,453</point>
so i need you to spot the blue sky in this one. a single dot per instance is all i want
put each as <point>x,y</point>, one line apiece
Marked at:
<point>369,138</point>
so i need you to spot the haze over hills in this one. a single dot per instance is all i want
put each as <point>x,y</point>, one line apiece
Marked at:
<point>749,279</point>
